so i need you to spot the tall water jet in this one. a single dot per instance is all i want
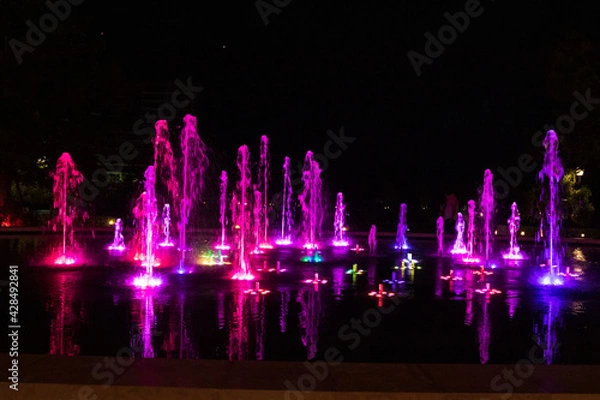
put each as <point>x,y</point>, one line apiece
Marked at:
<point>339,221</point>
<point>286,206</point>
<point>223,212</point>
<point>439,224</point>
<point>514,223</point>
<point>459,244</point>
<point>165,166</point>
<point>241,219</point>
<point>118,243</point>
<point>166,225</point>
<point>150,212</point>
<point>257,219</point>
<point>552,171</point>
<point>487,206</point>
<point>401,242</point>
<point>66,183</point>
<point>373,240</point>
<point>263,183</point>
<point>311,202</point>
<point>193,164</point>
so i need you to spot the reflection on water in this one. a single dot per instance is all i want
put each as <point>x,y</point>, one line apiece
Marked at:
<point>67,314</point>
<point>247,322</point>
<point>311,317</point>
<point>284,296</point>
<point>548,324</point>
<point>484,329</point>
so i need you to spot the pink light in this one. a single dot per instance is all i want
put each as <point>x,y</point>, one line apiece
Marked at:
<point>458,251</point>
<point>283,242</point>
<point>144,281</point>
<point>265,246</point>
<point>381,293</point>
<point>257,251</point>
<point>222,247</point>
<point>314,246</point>
<point>357,248</point>
<point>64,260</point>
<point>471,260</point>
<point>243,276</point>
<point>257,290</point>
<point>509,256</point>
<point>316,280</point>
<point>166,244</point>
<point>341,243</point>
<point>117,248</point>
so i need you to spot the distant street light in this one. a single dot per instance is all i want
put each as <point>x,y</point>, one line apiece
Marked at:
<point>579,172</point>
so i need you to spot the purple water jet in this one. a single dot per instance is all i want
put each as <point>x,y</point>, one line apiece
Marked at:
<point>514,223</point>
<point>339,239</point>
<point>66,183</point>
<point>311,201</point>
<point>459,244</point>
<point>165,165</point>
<point>552,171</point>
<point>286,206</point>
<point>118,243</point>
<point>240,214</point>
<point>401,242</point>
<point>470,258</point>
<point>439,224</point>
<point>257,220</point>
<point>193,164</point>
<point>373,240</point>
<point>487,207</point>
<point>223,212</point>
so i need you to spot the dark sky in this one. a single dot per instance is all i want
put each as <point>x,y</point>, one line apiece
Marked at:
<point>326,65</point>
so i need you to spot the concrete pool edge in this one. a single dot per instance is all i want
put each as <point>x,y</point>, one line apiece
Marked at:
<point>67,378</point>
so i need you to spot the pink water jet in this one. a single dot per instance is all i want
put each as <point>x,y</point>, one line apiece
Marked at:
<point>166,224</point>
<point>165,164</point>
<point>401,242</point>
<point>240,214</point>
<point>66,184</point>
<point>339,239</point>
<point>311,202</point>
<point>286,206</point>
<point>459,244</point>
<point>118,243</point>
<point>514,223</point>
<point>470,258</point>
<point>487,207</point>
<point>257,221</point>
<point>193,163</point>
<point>263,187</point>
<point>223,212</point>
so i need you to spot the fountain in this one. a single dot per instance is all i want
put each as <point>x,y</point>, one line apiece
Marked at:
<point>150,213</point>
<point>471,234</point>
<point>118,243</point>
<point>166,218</point>
<point>487,206</point>
<point>338,222</point>
<point>240,217</point>
<point>514,223</point>
<point>402,228</point>
<point>439,224</point>
<point>223,210</point>
<point>459,244</point>
<point>372,240</point>
<point>311,202</point>
<point>552,171</point>
<point>194,162</point>
<point>286,210</point>
<point>66,183</point>
<point>263,185</point>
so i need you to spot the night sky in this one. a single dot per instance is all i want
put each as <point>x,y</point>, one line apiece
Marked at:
<point>321,66</point>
